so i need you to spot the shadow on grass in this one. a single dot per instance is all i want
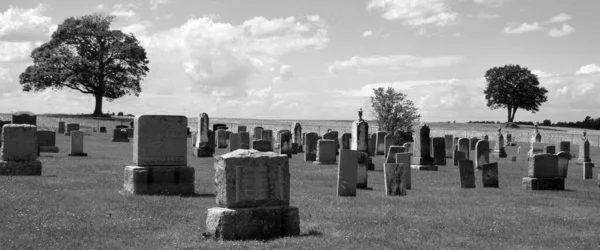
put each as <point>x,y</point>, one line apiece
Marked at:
<point>311,232</point>
<point>197,195</point>
<point>52,175</point>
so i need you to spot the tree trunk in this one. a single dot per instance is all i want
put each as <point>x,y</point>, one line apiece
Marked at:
<point>513,114</point>
<point>510,118</point>
<point>98,108</point>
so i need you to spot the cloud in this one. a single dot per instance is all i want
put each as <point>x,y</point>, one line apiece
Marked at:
<point>492,3</point>
<point>523,28</point>
<point>485,15</point>
<point>588,69</point>
<point>563,31</point>
<point>18,25</point>
<point>540,73</point>
<point>155,3</point>
<point>394,62</point>
<point>367,33</point>
<point>124,10</point>
<point>562,17</point>
<point>415,13</point>
<point>16,51</point>
<point>285,74</point>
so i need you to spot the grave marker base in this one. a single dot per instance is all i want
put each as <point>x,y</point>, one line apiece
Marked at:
<point>79,154</point>
<point>425,167</point>
<point>203,152</point>
<point>252,223</point>
<point>49,149</point>
<point>543,183</point>
<point>159,180</point>
<point>21,167</point>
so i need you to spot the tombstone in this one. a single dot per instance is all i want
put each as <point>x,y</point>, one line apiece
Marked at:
<point>61,127</point>
<point>587,170</point>
<point>18,154</point>
<point>449,143</point>
<point>482,154</point>
<point>347,172</point>
<point>467,174</point>
<point>77,144</point>
<point>337,142</point>
<point>310,146</point>
<point>372,144</point>
<point>458,156</point>
<point>499,150</point>
<point>218,126</point>
<point>543,173</point>
<point>489,175</point>
<point>252,197</point>
<point>130,132</point>
<point>303,137</point>
<point>258,133</point>
<point>227,134</point>
<point>360,136</point>
<point>46,141</point>
<point>362,173</point>
<point>120,135</point>
<point>380,143</point>
<point>563,163</point>
<point>325,152</point>
<point>472,142</point>
<point>393,173</point>
<point>241,129</point>
<point>331,136</point>
<point>24,117</point>
<point>550,149</point>
<point>584,150</point>
<point>297,135</point>
<point>346,137</point>
<point>564,146</point>
<point>103,130</point>
<point>159,157</point>
<point>295,147</point>
<point>438,146</point>
<point>405,159</point>
<point>72,127</point>
<point>422,159</point>
<point>235,142</point>
<point>391,154</point>
<point>463,146</point>
<point>508,140</point>
<point>221,138</point>
<point>267,135</point>
<point>486,138</point>
<point>285,144</point>
<point>389,141</point>
<point>455,141</point>
<point>514,158</point>
<point>536,148</point>
<point>537,137</point>
<point>244,140</point>
<point>262,145</point>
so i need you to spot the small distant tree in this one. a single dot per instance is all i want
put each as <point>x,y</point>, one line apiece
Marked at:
<point>513,87</point>
<point>547,122</point>
<point>393,111</point>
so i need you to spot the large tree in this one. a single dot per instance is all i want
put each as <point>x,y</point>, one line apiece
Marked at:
<point>393,110</point>
<point>84,54</point>
<point>513,87</point>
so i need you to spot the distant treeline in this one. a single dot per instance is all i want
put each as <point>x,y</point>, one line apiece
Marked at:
<point>498,122</point>
<point>587,123</point>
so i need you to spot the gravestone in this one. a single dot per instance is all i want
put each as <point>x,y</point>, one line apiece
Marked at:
<point>490,175</point>
<point>331,136</point>
<point>360,136</point>
<point>194,138</point>
<point>564,146</point>
<point>587,170</point>
<point>129,132</point>
<point>77,144</point>
<point>120,135</point>
<point>482,154</point>
<point>205,145</point>
<point>389,141</point>
<point>24,117</point>
<point>325,152</point>
<point>486,138</point>
<point>262,145</point>
<point>297,135</point>
<point>235,142</point>
<point>18,154</point>
<point>472,142</point>
<point>267,135</point>
<point>391,154</point>
<point>61,127</point>
<point>258,133</point>
<point>372,144</point>
<point>405,159</point>
<point>346,137</point>
<point>550,149</point>
<point>584,150</point>
<point>102,129</point>
<point>463,146</point>
<point>499,150</point>
<point>310,146</point>
<point>46,141</point>
<point>536,148</point>
<point>285,143</point>
<point>380,143</point>
<point>347,173</point>
<point>244,140</point>
<point>393,175</point>
<point>422,159</point>
<point>467,174</point>
<point>537,137</point>
<point>563,163</point>
<point>221,138</point>
<point>449,143</point>
<point>458,156</point>
<point>241,129</point>
<point>159,157</point>
<point>362,175</point>
<point>252,197</point>
<point>72,127</point>
<point>337,141</point>
<point>543,173</point>
<point>455,141</point>
<point>508,140</point>
<point>438,147</point>
<point>218,126</point>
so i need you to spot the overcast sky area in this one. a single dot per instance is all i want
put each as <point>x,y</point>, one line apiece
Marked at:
<point>321,59</point>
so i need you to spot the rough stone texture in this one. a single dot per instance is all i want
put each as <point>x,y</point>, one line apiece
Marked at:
<point>262,145</point>
<point>389,141</point>
<point>472,142</point>
<point>244,140</point>
<point>71,127</point>
<point>499,150</point>
<point>393,172</point>
<point>449,143</point>
<point>120,135</point>
<point>221,138</point>
<point>564,146</point>
<point>20,167</point>
<point>202,128</point>
<point>380,143</point>
<point>160,140</point>
<point>235,142</point>
<point>405,158</point>
<point>241,129</point>
<point>372,144</point>
<point>296,133</point>
<point>310,143</point>
<point>326,152</point>
<point>249,178</point>
<point>346,138</point>
<point>159,180</point>
<point>543,183</point>
<point>252,223</point>
<point>587,170</point>
<point>46,138</point>
<point>347,172</point>
<point>61,127</point>
<point>458,156</point>
<point>563,163</point>
<point>482,154</point>
<point>467,174</point>
<point>422,149</point>
<point>551,149</point>
<point>543,166</point>
<point>584,152</point>
<point>360,136</point>
<point>362,175</point>
<point>391,154</point>
<point>258,133</point>
<point>130,132</point>
<point>24,117</point>
<point>77,144</point>
<point>267,135</point>
<point>490,175</point>
<point>19,142</point>
<point>285,143</point>
<point>438,148</point>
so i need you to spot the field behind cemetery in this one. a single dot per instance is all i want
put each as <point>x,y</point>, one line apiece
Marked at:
<point>77,204</point>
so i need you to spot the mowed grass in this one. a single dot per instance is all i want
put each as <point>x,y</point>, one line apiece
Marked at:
<point>77,204</point>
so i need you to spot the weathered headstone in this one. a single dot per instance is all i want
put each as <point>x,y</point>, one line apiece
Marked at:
<point>285,143</point>
<point>472,142</point>
<point>449,143</point>
<point>360,136</point>
<point>310,145</point>
<point>24,117</point>
<point>389,141</point>
<point>584,150</point>
<point>391,154</point>
<point>372,144</point>
<point>160,157</point>
<point>362,175</point>
<point>262,145</point>
<point>77,144</point>
<point>346,138</point>
<point>221,138</point>
<point>482,154</point>
<point>467,174</point>
<point>564,146</point>
<point>102,129</point>
<point>235,142</point>
<point>463,146</point>
<point>422,159</point>
<point>241,129</point>
<point>46,140</point>
<point>405,159</point>
<point>204,146</point>
<point>458,156</point>
<point>258,133</point>
<point>544,173</point>
<point>438,148</point>
<point>508,140</point>
<point>393,173</point>
<point>499,150</point>
<point>326,152</point>
<point>587,170</point>
<point>120,135</point>
<point>490,175</point>
<point>549,149</point>
<point>61,127</point>
<point>297,135</point>
<point>18,154</point>
<point>244,140</point>
<point>267,135</point>
<point>347,172</point>
<point>563,163</point>
<point>71,127</point>
<point>380,143</point>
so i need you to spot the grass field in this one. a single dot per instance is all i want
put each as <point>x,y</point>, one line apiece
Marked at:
<point>77,204</point>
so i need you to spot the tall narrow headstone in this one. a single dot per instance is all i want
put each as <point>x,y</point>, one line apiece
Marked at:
<point>380,143</point>
<point>499,150</point>
<point>490,175</point>
<point>297,135</point>
<point>449,143</point>
<point>584,150</point>
<point>267,135</point>
<point>244,140</point>
<point>18,154</point>
<point>389,141</point>
<point>221,139</point>
<point>394,186</point>
<point>61,127</point>
<point>438,146</point>
<point>472,142</point>
<point>310,144</point>
<point>258,133</point>
<point>360,136</point>
<point>285,144</point>
<point>372,144</point>
<point>204,147</point>
<point>463,146</point>
<point>404,159</point>
<point>467,174</point>
<point>347,172</point>
<point>422,159</point>
<point>346,138</point>
<point>482,154</point>
<point>77,144</point>
<point>587,170</point>
<point>235,142</point>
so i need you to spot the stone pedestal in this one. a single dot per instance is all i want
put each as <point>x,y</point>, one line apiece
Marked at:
<point>21,167</point>
<point>587,170</point>
<point>159,180</point>
<point>543,183</point>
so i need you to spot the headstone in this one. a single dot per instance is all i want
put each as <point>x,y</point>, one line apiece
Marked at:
<point>227,134</point>
<point>458,156</point>
<point>218,126</point>
<point>120,135</point>
<point>393,173</point>
<point>482,154</point>
<point>346,137</point>
<point>455,141</point>
<point>262,145</point>
<point>587,170</point>
<point>77,144</point>
<point>326,152</point>
<point>362,173</point>
<point>486,138</point>
<point>24,117</point>
<point>244,140</point>
<point>564,146</point>
<point>490,175</point>
<point>584,150</point>
<point>235,142</point>
<point>449,143</point>
<point>337,141</point>
<point>391,154</point>
<point>472,142</point>
<point>267,135</point>
<point>404,159</point>
<point>72,127</point>
<point>102,129</point>
<point>380,143</point>
<point>241,129</point>
<point>514,158</point>
<point>61,127</point>
<point>310,145</point>
<point>295,148</point>
<point>130,132</point>
<point>563,163</point>
<point>422,159</point>
<point>536,148</point>
<point>331,136</point>
<point>438,146</point>
<point>285,144</point>
<point>46,141</point>
<point>467,174</point>
<point>543,166</point>
<point>463,146</point>
<point>160,157</point>
<point>537,137</point>
<point>18,154</point>
<point>347,172</point>
<point>550,149</point>
<point>297,134</point>
<point>221,138</point>
<point>499,150</point>
<point>252,194</point>
<point>389,141</point>
<point>258,133</point>
<point>360,137</point>
<point>372,144</point>
<point>508,140</point>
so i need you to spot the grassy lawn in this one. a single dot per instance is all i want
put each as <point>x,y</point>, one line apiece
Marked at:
<point>77,204</point>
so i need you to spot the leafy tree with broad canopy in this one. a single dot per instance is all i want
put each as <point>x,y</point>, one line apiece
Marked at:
<point>393,111</point>
<point>513,87</point>
<point>84,54</point>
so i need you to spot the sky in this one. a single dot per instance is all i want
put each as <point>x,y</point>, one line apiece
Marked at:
<point>316,59</point>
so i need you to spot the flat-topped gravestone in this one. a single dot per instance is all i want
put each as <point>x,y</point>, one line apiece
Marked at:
<point>404,159</point>
<point>543,166</point>
<point>438,148</point>
<point>347,172</point>
<point>482,154</point>
<point>499,150</point>
<point>467,174</point>
<point>46,141</point>
<point>458,156</point>
<point>285,143</point>
<point>326,152</point>
<point>103,130</point>
<point>258,133</point>
<point>267,135</point>
<point>18,153</point>
<point>463,146</point>
<point>262,145</point>
<point>564,146</point>
<point>393,173</point>
<point>235,142</point>
<point>24,117</point>
<point>346,137</point>
<point>120,135</point>
<point>388,141</point>
<point>310,146</point>
<point>587,170</point>
<point>362,173</point>
<point>244,140</point>
<point>372,144</point>
<point>130,132</point>
<point>489,175</point>
<point>391,154</point>
<point>380,143</point>
<point>77,144</point>
<point>221,138</point>
<point>449,143</point>
<point>71,127</point>
<point>584,150</point>
<point>241,129</point>
<point>61,127</point>
<point>160,140</point>
<point>550,149</point>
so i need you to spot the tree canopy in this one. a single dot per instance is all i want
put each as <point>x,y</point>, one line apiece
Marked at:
<point>84,54</point>
<point>513,87</point>
<point>393,111</point>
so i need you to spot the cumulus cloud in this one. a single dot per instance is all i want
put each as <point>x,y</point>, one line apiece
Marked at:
<point>493,3</point>
<point>367,33</point>
<point>565,30</point>
<point>17,24</point>
<point>124,10</point>
<point>588,69</point>
<point>285,74</point>
<point>522,28</point>
<point>155,3</point>
<point>540,73</point>
<point>415,13</point>
<point>16,51</point>
<point>394,62</point>
<point>562,17</point>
